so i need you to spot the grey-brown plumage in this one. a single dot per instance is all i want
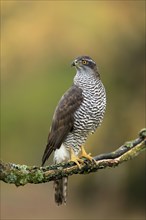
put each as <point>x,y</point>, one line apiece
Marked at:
<point>60,187</point>
<point>63,120</point>
<point>78,114</point>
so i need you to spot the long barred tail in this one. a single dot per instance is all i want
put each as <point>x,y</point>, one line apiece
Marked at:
<point>61,190</point>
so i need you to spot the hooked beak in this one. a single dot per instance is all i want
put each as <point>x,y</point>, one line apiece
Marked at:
<point>76,64</point>
<point>72,64</point>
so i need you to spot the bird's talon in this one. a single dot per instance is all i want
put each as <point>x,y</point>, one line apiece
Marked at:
<point>85,155</point>
<point>93,160</point>
<point>75,159</point>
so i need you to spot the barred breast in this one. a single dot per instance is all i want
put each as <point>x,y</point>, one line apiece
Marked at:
<point>90,113</point>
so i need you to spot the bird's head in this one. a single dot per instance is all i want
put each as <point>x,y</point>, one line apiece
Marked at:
<point>84,63</point>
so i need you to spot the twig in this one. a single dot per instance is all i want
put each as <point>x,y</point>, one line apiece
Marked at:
<point>23,174</point>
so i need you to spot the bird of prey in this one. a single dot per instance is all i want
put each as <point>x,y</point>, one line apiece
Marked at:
<point>79,112</point>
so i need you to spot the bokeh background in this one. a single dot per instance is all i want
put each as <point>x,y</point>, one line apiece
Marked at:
<point>39,39</point>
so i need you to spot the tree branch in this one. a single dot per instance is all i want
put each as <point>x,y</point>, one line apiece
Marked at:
<point>23,174</point>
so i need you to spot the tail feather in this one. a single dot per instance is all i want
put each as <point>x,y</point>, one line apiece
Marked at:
<point>61,190</point>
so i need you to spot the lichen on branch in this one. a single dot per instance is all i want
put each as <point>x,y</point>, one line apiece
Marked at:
<point>20,175</point>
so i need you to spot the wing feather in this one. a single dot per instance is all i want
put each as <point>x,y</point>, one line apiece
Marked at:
<point>63,120</point>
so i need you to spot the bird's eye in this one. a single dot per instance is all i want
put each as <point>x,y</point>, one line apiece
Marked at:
<point>84,62</point>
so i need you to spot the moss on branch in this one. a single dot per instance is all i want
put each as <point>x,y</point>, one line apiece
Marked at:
<point>23,174</point>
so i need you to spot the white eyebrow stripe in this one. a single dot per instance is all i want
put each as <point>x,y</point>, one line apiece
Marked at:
<point>84,58</point>
<point>89,60</point>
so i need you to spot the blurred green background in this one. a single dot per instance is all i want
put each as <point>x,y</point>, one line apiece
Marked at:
<point>39,39</point>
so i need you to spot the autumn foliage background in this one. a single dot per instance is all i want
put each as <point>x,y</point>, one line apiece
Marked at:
<point>39,39</point>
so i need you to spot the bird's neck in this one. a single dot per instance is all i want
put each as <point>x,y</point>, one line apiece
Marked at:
<point>85,78</point>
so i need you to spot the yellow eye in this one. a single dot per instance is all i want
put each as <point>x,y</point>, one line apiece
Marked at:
<point>84,62</point>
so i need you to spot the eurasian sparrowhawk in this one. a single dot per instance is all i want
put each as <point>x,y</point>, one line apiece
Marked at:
<point>79,112</point>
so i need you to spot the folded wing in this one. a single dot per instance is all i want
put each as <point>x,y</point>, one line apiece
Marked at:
<point>63,120</point>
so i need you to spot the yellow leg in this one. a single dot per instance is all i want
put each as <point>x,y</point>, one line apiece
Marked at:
<point>75,159</point>
<point>84,154</point>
